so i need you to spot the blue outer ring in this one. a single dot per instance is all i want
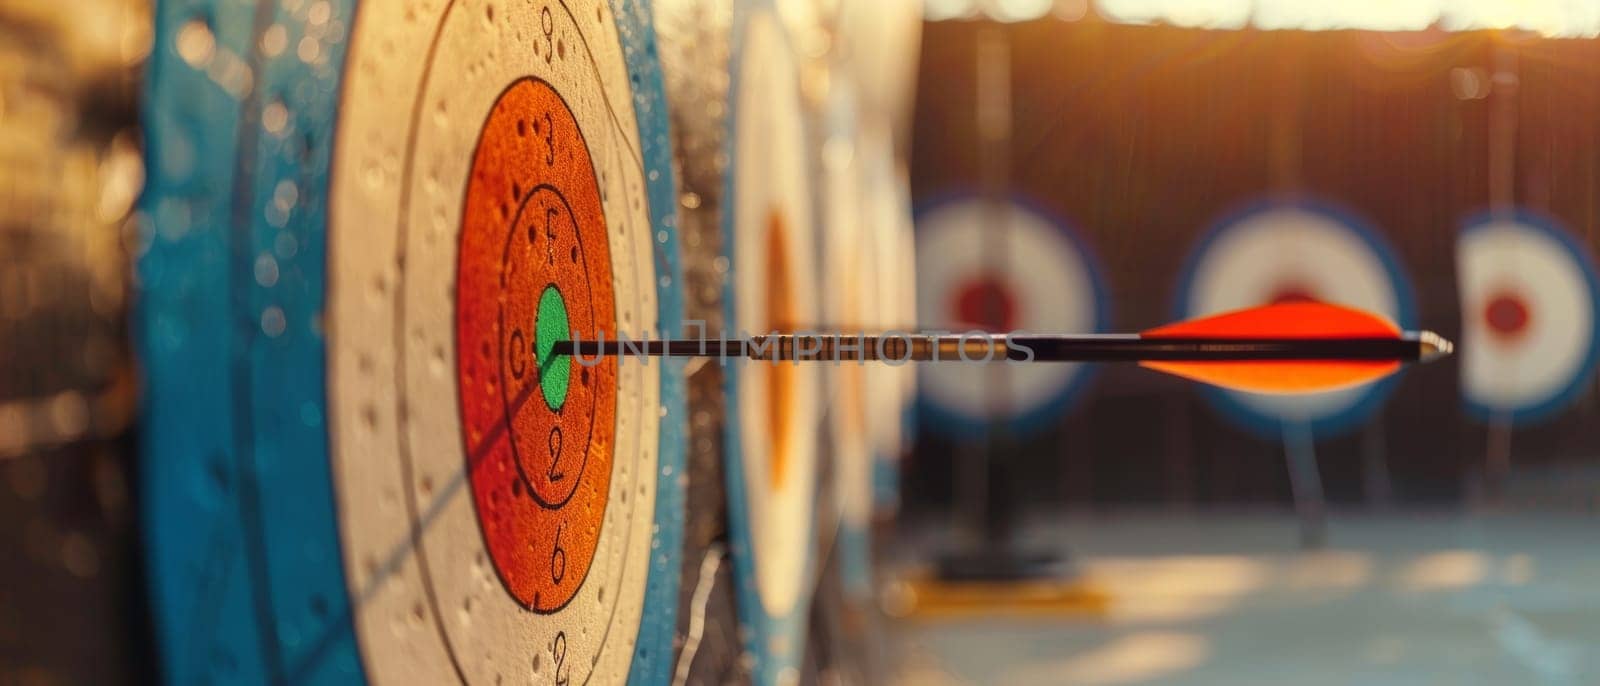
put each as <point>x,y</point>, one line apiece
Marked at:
<point>760,630</point>
<point>1534,413</point>
<point>234,427</point>
<point>956,424</point>
<point>1229,403</point>
<point>242,542</point>
<point>654,654</point>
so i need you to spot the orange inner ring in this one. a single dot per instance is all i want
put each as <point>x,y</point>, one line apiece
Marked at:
<point>780,316</point>
<point>533,219</point>
<point>850,403</point>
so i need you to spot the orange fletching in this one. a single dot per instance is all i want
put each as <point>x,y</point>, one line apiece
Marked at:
<point>1300,319</point>
<point>1283,320</point>
<point>1278,376</point>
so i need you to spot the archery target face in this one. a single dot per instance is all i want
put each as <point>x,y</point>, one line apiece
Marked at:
<point>773,288</point>
<point>852,305</point>
<point>888,228</point>
<point>775,274</point>
<point>496,502</point>
<point>1281,253</point>
<point>1528,312</point>
<point>1000,268</point>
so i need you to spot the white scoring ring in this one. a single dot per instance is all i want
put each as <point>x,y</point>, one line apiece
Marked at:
<point>429,608</point>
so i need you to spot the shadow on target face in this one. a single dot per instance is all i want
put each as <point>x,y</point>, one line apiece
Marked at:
<point>1034,273</point>
<point>1289,248</point>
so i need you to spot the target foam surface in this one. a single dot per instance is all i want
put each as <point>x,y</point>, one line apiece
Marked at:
<point>1296,249</point>
<point>342,198</point>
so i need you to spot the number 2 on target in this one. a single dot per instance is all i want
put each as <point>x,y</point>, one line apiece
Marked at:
<point>558,655</point>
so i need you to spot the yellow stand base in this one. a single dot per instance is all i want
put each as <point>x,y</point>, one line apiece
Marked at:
<point>922,597</point>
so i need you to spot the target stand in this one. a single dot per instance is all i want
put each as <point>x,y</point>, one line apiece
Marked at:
<point>371,222</point>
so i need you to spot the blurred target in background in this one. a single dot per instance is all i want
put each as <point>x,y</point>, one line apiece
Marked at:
<point>1530,302</point>
<point>998,267</point>
<point>1296,251</point>
<point>769,246</point>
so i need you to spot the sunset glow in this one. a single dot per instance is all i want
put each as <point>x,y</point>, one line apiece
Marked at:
<point>1553,18</point>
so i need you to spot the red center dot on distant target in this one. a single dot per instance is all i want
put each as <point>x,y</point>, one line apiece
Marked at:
<point>987,303</point>
<point>1507,315</point>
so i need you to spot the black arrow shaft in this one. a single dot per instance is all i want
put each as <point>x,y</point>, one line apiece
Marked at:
<point>1037,348</point>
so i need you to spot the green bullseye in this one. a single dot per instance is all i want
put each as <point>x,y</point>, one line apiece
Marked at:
<point>550,325</point>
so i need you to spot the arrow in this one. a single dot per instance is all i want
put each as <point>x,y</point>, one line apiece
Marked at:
<point>1296,347</point>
